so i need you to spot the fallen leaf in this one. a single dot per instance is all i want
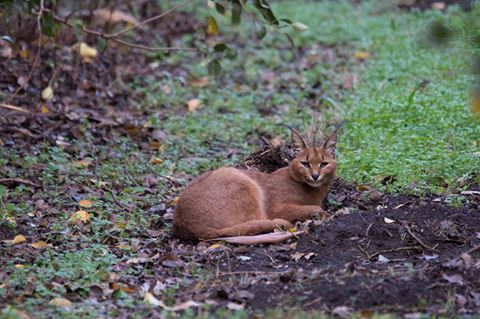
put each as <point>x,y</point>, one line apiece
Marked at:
<point>383,259</point>
<point>124,247</point>
<point>47,94</point>
<point>87,52</point>
<point>439,5</point>
<point>40,244</point>
<point>362,55</point>
<point>453,279</point>
<point>194,104</point>
<point>156,161</point>
<point>212,26</point>
<point>80,215</point>
<point>200,83</point>
<point>24,54</point>
<point>19,266</point>
<point>137,260</point>
<point>85,203</point>
<point>342,311</point>
<point>362,188</point>
<point>235,306</point>
<point>388,220</point>
<point>83,163</point>
<point>44,108</point>
<point>108,16</point>
<point>297,256</point>
<point>18,239</point>
<point>150,299</point>
<point>60,302</point>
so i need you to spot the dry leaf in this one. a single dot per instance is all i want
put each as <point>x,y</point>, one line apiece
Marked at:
<point>24,54</point>
<point>85,203</point>
<point>150,299</point>
<point>124,247</point>
<point>362,188</point>
<point>47,94</point>
<point>388,220</point>
<point>362,55</point>
<point>108,16</point>
<point>18,239</point>
<point>212,26</point>
<point>40,244</point>
<point>200,83</point>
<point>43,108</point>
<point>298,26</point>
<point>82,163</point>
<point>60,302</point>
<point>194,104</point>
<point>475,103</point>
<point>87,52</point>
<point>19,266</point>
<point>156,161</point>
<point>80,215</point>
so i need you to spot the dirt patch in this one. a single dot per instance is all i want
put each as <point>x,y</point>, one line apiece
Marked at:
<point>380,252</point>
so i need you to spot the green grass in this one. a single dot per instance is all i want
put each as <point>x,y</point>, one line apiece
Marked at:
<point>422,142</point>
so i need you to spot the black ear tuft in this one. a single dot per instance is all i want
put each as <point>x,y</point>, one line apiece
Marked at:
<point>297,140</point>
<point>330,143</point>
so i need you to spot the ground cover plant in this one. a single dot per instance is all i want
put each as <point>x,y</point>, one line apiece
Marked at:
<point>89,179</point>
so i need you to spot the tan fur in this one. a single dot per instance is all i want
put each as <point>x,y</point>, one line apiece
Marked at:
<point>232,202</point>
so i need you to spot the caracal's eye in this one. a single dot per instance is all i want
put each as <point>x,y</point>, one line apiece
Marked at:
<point>323,164</point>
<point>305,163</point>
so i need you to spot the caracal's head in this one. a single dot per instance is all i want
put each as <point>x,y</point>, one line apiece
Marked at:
<point>314,163</point>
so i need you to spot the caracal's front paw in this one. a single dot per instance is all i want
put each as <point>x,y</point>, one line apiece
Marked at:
<point>283,223</point>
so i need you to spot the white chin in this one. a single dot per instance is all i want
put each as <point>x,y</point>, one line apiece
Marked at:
<point>314,184</point>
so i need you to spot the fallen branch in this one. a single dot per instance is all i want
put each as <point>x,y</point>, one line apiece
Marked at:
<point>270,238</point>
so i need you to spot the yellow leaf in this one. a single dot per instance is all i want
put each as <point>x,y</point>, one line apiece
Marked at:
<point>362,55</point>
<point>154,145</point>
<point>120,225</point>
<point>47,94</point>
<point>85,51</point>
<point>156,161</point>
<point>212,26</point>
<point>43,108</point>
<point>19,266</point>
<point>39,244</point>
<point>124,247</point>
<point>362,188</point>
<point>174,201</point>
<point>18,239</point>
<point>85,203</point>
<point>475,104</point>
<point>194,104</point>
<point>24,54</point>
<point>292,230</point>
<point>80,215</point>
<point>60,302</point>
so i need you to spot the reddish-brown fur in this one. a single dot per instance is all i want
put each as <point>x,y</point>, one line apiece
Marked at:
<point>233,202</point>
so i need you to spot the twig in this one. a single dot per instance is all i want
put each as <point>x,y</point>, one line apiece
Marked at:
<point>119,33</point>
<point>418,239</point>
<point>119,203</point>
<point>370,257</point>
<point>471,250</point>
<point>13,107</point>
<point>35,60</point>
<point>114,38</point>
<point>13,181</point>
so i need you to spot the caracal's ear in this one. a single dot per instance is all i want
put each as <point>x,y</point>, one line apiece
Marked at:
<point>330,143</point>
<point>297,140</point>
